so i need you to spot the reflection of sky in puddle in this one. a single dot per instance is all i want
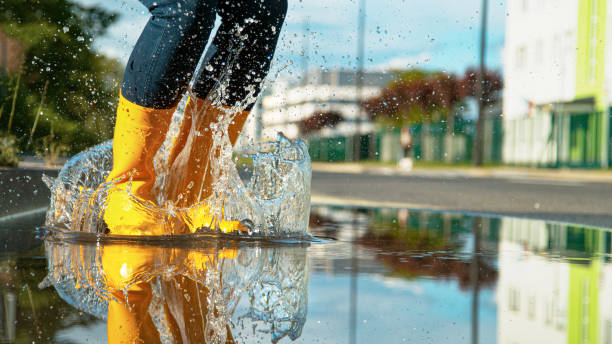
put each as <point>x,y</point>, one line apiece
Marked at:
<point>539,282</point>
<point>392,312</point>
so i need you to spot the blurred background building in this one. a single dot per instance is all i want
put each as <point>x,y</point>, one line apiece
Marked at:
<point>289,102</point>
<point>553,110</point>
<point>319,106</point>
<point>556,101</point>
<point>323,108</point>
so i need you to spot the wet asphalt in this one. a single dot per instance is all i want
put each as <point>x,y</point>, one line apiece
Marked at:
<point>579,202</point>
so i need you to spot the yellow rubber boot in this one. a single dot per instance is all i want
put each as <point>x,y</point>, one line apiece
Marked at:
<point>190,159</point>
<point>129,322</point>
<point>139,133</point>
<point>128,270</point>
<point>124,269</point>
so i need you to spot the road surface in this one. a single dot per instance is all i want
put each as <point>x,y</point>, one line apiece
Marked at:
<point>579,202</point>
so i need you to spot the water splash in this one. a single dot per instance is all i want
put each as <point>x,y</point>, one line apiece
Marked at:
<point>216,290</point>
<point>274,202</point>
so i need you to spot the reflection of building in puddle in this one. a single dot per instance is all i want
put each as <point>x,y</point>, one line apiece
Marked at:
<point>411,244</point>
<point>210,293</point>
<point>555,284</point>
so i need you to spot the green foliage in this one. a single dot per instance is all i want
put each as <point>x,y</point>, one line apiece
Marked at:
<point>418,96</point>
<point>50,150</point>
<point>9,153</point>
<point>56,37</point>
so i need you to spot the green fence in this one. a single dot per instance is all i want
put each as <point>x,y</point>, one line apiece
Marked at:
<point>578,140</point>
<point>431,143</point>
<point>558,139</point>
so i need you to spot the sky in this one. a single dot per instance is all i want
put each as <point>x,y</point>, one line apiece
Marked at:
<point>431,34</point>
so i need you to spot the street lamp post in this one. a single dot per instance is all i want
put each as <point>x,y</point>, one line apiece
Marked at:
<point>359,79</point>
<point>306,50</point>
<point>479,139</point>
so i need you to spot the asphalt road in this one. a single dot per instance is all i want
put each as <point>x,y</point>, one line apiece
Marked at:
<point>588,203</point>
<point>579,202</point>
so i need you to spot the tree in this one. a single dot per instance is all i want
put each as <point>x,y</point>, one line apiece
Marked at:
<point>427,97</point>
<point>56,37</point>
<point>319,120</point>
<point>492,85</point>
<point>415,97</point>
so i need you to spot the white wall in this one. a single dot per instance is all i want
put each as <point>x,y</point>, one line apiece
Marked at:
<point>532,291</point>
<point>605,299</point>
<point>528,140</point>
<point>539,69</point>
<point>539,54</point>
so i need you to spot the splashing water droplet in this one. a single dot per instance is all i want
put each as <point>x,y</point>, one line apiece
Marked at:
<point>275,202</point>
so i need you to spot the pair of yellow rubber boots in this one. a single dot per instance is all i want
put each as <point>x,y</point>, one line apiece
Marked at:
<point>128,270</point>
<point>139,133</point>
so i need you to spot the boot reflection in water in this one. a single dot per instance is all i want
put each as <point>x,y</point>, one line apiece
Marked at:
<point>156,77</point>
<point>185,308</point>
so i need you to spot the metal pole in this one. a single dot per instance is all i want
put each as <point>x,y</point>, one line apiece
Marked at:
<point>475,267</point>
<point>306,50</point>
<point>359,80</point>
<point>479,139</point>
<point>353,290</point>
<point>259,119</point>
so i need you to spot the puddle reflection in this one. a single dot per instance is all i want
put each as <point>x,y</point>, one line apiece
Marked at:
<point>153,294</point>
<point>385,275</point>
<point>520,280</point>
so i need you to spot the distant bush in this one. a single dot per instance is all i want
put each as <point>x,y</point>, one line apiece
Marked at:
<point>50,150</point>
<point>9,152</point>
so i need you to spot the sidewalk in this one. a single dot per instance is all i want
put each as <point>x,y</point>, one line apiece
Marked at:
<point>502,172</point>
<point>35,163</point>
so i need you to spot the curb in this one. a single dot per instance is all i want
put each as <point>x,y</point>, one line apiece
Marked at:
<point>598,176</point>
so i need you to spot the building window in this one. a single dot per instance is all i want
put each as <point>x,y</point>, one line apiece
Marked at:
<point>521,55</point>
<point>514,302</point>
<point>548,312</point>
<point>531,307</point>
<point>539,52</point>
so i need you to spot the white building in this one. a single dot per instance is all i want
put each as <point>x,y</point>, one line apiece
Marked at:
<point>288,101</point>
<point>556,82</point>
<point>545,298</point>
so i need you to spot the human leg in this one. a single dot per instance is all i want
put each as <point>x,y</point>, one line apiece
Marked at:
<point>245,44</point>
<point>156,76</point>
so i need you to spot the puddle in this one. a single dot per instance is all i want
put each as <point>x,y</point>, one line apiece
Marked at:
<point>381,275</point>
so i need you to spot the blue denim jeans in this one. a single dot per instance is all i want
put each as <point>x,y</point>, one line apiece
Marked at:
<point>166,54</point>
